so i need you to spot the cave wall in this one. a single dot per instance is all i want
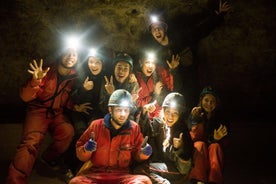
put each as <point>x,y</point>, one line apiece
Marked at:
<point>238,57</point>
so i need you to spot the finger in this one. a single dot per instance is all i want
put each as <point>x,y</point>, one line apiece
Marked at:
<point>106,79</point>
<point>181,135</point>
<point>86,112</point>
<point>145,141</point>
<point>35,64</point>
<point>86,80</point>
<point>30,71</point>
<point>87,103</point>
<point>41,63</point>
<point>47,69</point>
<point>167,61</point>
<point>220,127</point>
<point>32,66</point>
<point>139,89</point>
<point>89,108</point>
<point>92,135</point>
<point>111,79</point>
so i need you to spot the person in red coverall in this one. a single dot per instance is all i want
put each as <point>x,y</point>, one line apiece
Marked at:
<point>113,144</point>
<point>154,86</point>
<point>209,130</point>
<point>46,93</point>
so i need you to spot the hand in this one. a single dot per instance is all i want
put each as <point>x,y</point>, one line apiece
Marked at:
<point>177,142</point>
<point>223,8</point>
<point>83,107</point>
<point>135,94</point>
<point>150,107</point>
<point>132,78</point>
<point>158,88</point>
<point>109,86</point>
<point>91,145</point>
<point>197,111</point>
<point>87,84</point>
<point>175,61</point>
<point>146,148</point>
<point>37,71</point>
<point>220,132</point>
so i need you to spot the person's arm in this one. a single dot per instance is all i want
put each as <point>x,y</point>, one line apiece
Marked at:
<point>84,153</point>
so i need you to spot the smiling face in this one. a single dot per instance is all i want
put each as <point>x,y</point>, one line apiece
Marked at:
<point>69,58</point>
<point>158,33</point>
<point>121,71</point>
<point>95,65</point>
<point>119,116</point>
<point>171,116</point>
<point>209,103</point>
<point>148,67</point>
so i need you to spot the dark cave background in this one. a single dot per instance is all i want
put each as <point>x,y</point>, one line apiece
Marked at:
<point>237,57</point>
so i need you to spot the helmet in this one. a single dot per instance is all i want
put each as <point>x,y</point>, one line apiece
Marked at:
<point>175,100</point>
<point>97,53</point>
<point>122,56</point>
<point>208,90</point>
<point>122,98</point>
<point>159,21</point>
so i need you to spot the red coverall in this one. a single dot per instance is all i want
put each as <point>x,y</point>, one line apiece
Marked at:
<point>113,157</point>
<point>146,93</point>
<point>208,157</point>
<point>46,99</point>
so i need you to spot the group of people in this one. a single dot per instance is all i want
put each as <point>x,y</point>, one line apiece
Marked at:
<point>129,123</point>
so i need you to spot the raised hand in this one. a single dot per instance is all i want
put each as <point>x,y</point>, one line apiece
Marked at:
<point>177,142</point>
<point>150,107</point>
<point>132,78</point>
<point>84,107</point>
<point>91,145</point>
<point>175,61</point>
<point>223,7</point>
<point>220,132</point>
<point>109,86</point>
<point>37,71</point>
<point>87,84</point>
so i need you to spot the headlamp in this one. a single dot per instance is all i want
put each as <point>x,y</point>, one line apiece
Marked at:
<point>72,42</point>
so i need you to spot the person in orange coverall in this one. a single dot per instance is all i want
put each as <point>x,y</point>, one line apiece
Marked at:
<point>113,144</point>
<point>46,93</point>
<point>210,132</point>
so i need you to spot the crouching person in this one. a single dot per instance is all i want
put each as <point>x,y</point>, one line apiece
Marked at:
<point>169,137</point>
<point>112,144</point>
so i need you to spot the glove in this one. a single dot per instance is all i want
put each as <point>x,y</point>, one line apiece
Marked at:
<point>91,145</point>
<point>147,150</point>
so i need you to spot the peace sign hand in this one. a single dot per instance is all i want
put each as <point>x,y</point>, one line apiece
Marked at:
<point>37,71</point>
<point>109,86</point>
<point>87,84</point>
<point>175,61</point>
<point>220,132</point>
